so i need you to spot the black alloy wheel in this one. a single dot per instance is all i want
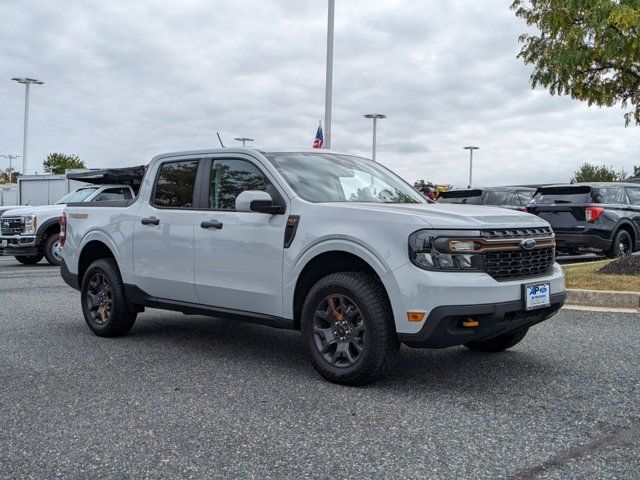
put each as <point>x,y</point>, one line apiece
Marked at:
<point>339,330</point>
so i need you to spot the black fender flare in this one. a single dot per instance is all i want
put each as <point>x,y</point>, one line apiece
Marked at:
<point>44,227</point>
<point>627,223</point>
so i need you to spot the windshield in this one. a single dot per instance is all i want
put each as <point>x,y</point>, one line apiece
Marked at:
<point>79,195</point>
<point>325,177</point>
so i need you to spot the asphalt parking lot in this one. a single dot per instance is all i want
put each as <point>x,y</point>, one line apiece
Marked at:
<point>193,397</point>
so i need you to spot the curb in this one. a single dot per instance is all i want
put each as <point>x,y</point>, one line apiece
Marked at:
<point>603,298</point>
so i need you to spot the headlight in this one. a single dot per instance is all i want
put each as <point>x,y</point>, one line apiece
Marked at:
<point>30,224</point>
<point>446,250</point>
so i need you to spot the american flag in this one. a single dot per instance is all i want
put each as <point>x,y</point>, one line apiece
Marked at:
<point>319,141</point>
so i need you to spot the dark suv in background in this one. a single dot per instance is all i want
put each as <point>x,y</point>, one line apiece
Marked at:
<point>591,217</point>
<point>514,198</point>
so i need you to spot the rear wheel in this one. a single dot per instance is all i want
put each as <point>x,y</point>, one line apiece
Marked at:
<point>53,249</point>
<point>498,344</point>
<point>29,259</point>
<point>622,245</point>
<point>348,328</point>
<point>104,304</point>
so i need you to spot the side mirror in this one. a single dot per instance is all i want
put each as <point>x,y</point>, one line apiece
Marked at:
<point>257,201</point>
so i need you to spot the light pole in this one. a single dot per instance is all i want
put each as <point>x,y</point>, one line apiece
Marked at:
<point>27,83</point>
<point>10,157</point>
<point>244,140</point>
<point>375,117</point>
<point>329,76</point>
<point>471,149</point>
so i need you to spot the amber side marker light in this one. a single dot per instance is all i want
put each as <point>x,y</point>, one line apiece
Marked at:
<point>415,316</point>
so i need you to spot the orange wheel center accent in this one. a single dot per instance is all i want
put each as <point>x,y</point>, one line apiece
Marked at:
<point>334,302</point>
<point>103,314</point>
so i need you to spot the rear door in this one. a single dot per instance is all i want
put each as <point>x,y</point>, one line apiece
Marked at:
<point>238,255</point>
<point>163,231</point>
<point>634,200</point>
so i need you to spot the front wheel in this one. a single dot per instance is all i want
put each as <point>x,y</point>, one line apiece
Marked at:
<point>29,259</point>
<point>498,344</point>
<point>104,304</point>
<point>348,328</point>
<point>622,245</point>
<point>53,250</point>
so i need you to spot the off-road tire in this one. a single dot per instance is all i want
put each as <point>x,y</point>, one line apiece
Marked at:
<point>615,251</point>
<point>29,259</point>
<point>49,246</point>
<point>380,341</point>
<point>498,344</point>
<point>120,318</point>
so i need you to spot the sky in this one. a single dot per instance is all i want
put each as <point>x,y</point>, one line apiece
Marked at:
<point>126,80</point>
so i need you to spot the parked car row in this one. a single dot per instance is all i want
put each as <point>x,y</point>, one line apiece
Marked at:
<point>586,217</point>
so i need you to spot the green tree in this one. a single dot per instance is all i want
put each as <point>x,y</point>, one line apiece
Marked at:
<point>57,163</point>
<point>589,49</point>
<point>597,173</point>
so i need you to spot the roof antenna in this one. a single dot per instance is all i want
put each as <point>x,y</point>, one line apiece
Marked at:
<point>220,140</point>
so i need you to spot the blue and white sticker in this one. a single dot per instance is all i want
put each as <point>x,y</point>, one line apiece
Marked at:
<point>537,295</point>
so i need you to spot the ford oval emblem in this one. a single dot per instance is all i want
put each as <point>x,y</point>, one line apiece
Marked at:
<point>528,244</point>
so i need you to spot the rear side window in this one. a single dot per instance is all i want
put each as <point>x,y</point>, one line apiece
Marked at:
<point>113,194</point>
<point>634,195</point>
<point>229,178</point>
<point>497,198</point>
<point>175,184</point>
<point>609,195</point>
<point>524,197</point>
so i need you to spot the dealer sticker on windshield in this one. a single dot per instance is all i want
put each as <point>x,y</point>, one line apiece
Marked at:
<point>536,295</point>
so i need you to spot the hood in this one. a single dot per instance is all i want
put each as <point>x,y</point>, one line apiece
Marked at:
<point>42,210</point>
<point>447,215</point>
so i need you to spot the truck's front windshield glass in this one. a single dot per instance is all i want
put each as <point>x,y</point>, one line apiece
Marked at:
<point>79,195</point>
<point>325,177</point>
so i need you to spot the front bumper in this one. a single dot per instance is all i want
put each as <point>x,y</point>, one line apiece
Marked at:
<point>19,245</point>
<point>443,327</point>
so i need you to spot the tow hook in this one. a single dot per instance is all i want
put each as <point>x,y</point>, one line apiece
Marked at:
<point>470,322</point>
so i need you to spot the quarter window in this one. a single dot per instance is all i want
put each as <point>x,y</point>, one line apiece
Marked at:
<point>634,195</point>
<point>229,178</point>
<point>175,184</point>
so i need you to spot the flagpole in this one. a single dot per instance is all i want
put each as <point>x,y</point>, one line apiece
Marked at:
<point>329,78</point>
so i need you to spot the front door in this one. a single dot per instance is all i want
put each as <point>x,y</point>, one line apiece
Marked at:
<point>163,232</point>
<point>238,255</point>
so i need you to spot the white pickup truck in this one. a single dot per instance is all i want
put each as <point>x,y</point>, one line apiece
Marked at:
<point>333,245</point>
<point>31,232</point>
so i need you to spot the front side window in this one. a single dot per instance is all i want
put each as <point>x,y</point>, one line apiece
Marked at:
<point>634,195</point>
<point>175,184</point>
<point>229,178</point>
<point>111,194</point>
<point>325,177</point>
<point>79,195</point>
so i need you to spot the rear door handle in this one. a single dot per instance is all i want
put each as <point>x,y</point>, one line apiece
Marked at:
<point>150,221</point>
<point>211,224</point>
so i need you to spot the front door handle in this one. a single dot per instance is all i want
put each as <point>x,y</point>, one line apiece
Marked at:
<point>212,224</point>
<point>150,221</point>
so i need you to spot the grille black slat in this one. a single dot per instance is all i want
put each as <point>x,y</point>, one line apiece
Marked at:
<point>507,233</point>
<point>509,265</point>
<point>14,227</point>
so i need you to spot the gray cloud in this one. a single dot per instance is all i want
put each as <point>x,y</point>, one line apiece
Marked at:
<point>127,80</point>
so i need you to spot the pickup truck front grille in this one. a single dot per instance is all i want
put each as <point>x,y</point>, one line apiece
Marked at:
<point>11,226</point>
<point>519,264</point>
<point>513,263</point>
